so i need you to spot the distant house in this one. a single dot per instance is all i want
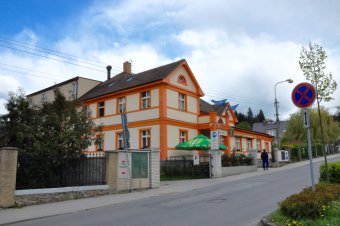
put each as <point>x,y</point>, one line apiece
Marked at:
<point>72,89</point>
<point>270,128</point>
<point>164,108</point>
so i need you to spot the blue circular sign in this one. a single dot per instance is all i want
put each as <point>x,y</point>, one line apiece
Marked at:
<point>303,95</point>
<point>214,134</point>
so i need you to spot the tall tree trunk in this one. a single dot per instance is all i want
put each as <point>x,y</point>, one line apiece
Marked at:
<point>322,135</point>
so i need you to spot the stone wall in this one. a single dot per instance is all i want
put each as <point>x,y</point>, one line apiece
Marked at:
<point>234,170</point>
<point>8,172</point>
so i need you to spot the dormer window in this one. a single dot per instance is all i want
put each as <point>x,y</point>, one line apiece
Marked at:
<point>181,80</point>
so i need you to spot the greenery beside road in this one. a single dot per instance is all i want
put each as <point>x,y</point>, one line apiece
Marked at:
<point>309,208</point>
<point>50,137</point>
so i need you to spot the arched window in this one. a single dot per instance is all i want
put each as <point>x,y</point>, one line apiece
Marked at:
<point>181,80</point>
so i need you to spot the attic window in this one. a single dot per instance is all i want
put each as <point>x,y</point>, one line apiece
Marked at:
<point>181,80</point>
<point>129,79</point>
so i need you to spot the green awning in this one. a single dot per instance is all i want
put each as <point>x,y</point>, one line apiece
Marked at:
<point>200,142</point>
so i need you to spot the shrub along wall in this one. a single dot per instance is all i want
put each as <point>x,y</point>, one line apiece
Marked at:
<point>333,171</point>
<point>173,168</point>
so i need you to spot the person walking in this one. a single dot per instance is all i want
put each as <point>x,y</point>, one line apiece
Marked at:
<point>264,157</point>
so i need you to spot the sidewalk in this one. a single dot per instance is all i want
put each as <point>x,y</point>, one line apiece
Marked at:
<point>44,210</point>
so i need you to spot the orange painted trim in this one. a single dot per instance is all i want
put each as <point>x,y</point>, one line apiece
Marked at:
<point>140,136</point>
<point>179,89</point>
<point>112,115</point>
<point>190,74</point>
<point>126,92</point>
<point>162,102</point>
<point>152,122</point>
<point>176,109</point>
<point>163,140</point>
<point>212,116</point>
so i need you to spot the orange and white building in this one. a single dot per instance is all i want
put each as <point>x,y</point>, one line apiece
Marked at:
<point>163,107</point>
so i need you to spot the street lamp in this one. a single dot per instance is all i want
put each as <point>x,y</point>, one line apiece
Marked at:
<point>276,103</point>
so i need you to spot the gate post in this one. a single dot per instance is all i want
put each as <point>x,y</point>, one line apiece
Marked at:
<point>8,174</point>
<point>111,169</point>
<point>154,168</point>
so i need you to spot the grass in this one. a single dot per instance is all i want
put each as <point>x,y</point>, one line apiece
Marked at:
<point>330,216</point>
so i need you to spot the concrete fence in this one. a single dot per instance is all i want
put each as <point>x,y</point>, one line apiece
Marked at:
<point>8,171</point>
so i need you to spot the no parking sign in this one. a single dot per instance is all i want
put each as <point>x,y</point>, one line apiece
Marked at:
<point>303,95</point>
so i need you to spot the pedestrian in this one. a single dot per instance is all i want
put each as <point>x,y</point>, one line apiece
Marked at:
<point>264,157</point>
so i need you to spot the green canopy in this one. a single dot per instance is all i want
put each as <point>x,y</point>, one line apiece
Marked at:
<point>200,142</point>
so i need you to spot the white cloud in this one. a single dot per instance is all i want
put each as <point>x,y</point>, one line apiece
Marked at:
<point>236,49</point>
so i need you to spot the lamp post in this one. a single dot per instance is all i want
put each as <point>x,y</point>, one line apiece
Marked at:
<point>276,103</point>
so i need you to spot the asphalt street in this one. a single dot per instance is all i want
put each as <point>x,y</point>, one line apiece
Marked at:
<point>237,201</point>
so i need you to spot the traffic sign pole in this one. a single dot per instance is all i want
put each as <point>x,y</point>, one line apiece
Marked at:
<point>310,155</point>
<point>303,96</point>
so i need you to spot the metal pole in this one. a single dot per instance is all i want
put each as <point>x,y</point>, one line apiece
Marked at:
<point>310,153</point>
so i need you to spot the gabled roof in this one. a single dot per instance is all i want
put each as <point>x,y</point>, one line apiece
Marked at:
<point>58,85</point>
<point>263,126</point>
<point>123,81</point>
<point>205,107</point>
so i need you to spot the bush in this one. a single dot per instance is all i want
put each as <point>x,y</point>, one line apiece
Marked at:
<point>308,204</point>
<point>333,172</point>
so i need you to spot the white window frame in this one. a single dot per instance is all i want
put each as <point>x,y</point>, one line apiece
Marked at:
<point>181,101</point>
<point>258,144</point>
<point>120,141</point>
<point>238,143</point>
<point>146,100</point>
<point>249,143</point>
<point>121,104</point>
<point>146,135</point>
<point>182,136</point>
<point>101,107</point>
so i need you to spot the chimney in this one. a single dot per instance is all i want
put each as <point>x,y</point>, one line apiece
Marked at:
<point>108,68</point>
<point>127,67</point>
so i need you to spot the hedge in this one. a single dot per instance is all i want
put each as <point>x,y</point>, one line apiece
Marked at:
<point>333,172</point>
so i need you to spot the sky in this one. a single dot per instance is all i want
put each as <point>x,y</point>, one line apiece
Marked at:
<point>237,50</point>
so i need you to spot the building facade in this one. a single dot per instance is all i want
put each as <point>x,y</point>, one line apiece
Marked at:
<point>164,108</point>
<point>72,89</point>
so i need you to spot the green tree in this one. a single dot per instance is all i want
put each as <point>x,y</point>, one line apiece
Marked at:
<point>50,138</point>
<point>260,116</point>
<point>250,116</point>
<point>244,125</point>
<point>312,63</point>
<point>296,132</point>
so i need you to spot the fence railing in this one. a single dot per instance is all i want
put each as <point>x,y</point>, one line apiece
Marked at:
<point>41,172</point>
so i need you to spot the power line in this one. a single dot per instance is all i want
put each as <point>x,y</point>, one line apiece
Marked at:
<point>36,48</point>
<point>22,44</point>
<point>51,58</point>
<point>28,69</point>
<point>21,72</point>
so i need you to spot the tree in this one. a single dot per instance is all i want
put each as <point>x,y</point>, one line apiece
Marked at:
<point>244,125</point>
<point>250,116</point>
<point>312,63</point>
<point>49,138</point>
<point>296,132</point>
<point>260,116</point>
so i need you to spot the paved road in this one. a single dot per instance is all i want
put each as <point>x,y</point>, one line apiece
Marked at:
<point>237,202</point>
